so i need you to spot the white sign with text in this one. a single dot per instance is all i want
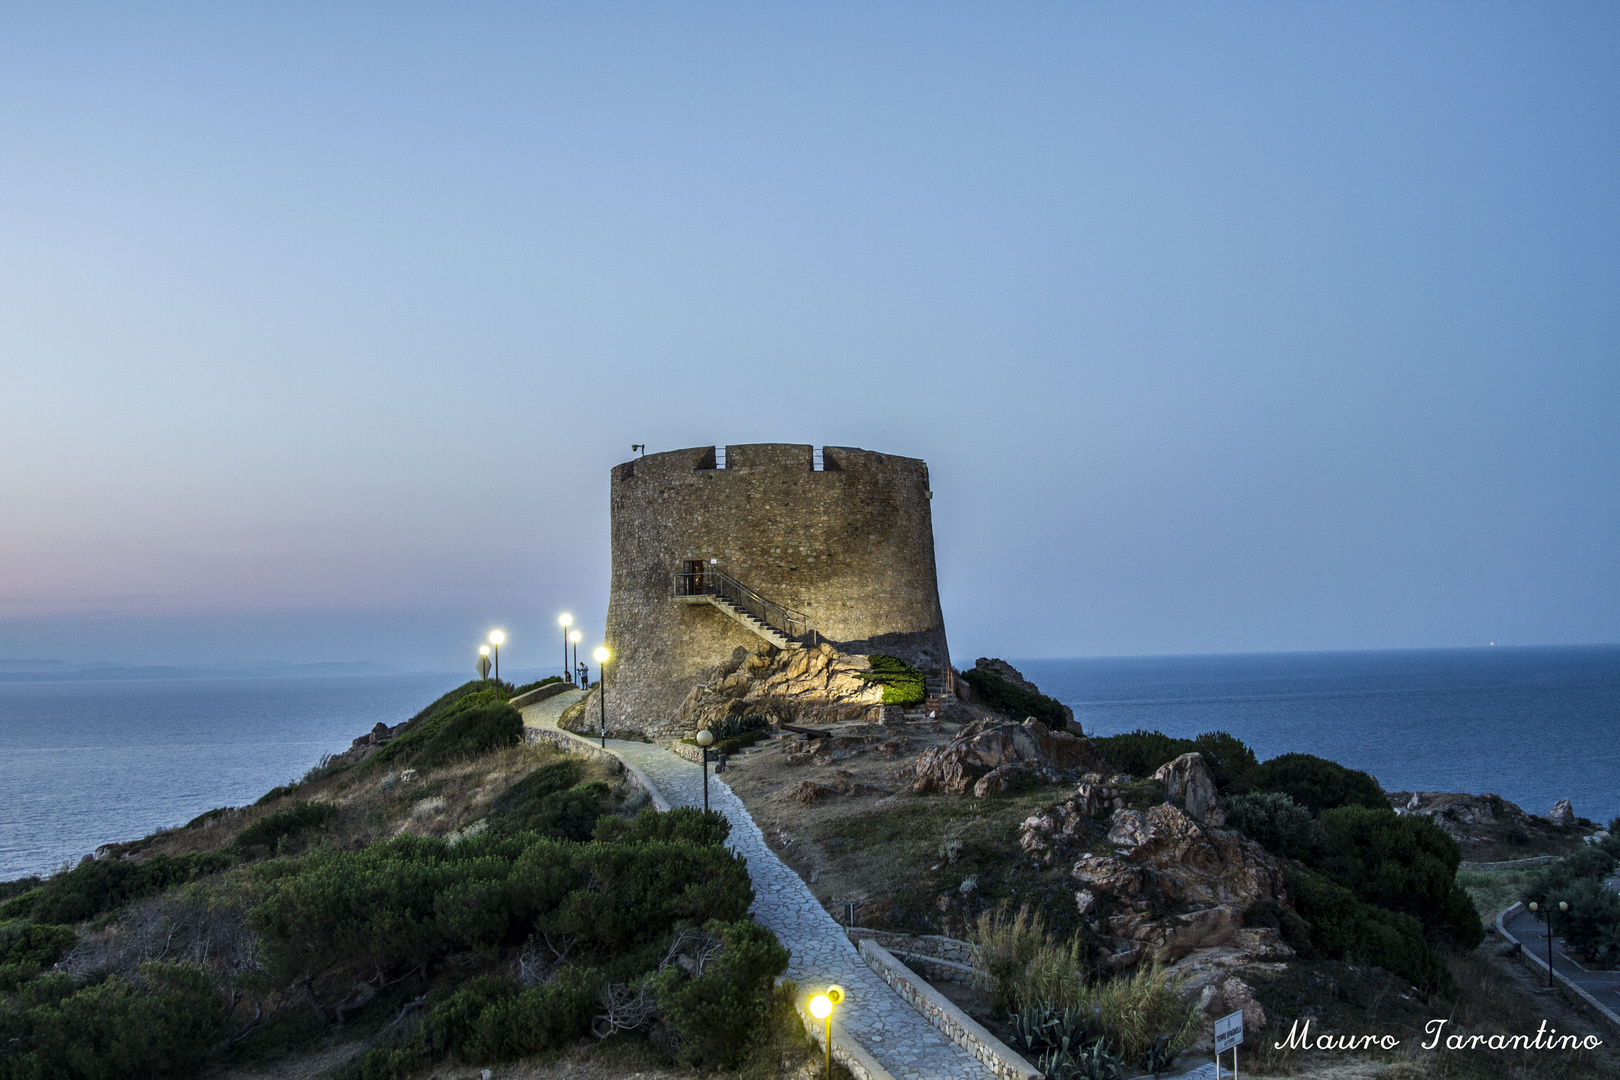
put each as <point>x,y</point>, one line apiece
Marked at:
<point>1228,1032</point>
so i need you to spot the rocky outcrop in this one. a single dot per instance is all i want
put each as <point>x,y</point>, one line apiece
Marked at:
<point>1157,882</point>
<point>1008,673</point>
<point>801,686</point>
<point>1188,783</point>
<point>991,755</point>
<point>1563,814</point>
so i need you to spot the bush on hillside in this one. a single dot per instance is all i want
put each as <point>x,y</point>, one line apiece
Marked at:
<point>1403,864</point>
<point>684,824</point>
<point>902,684</point>
<point>273,831</point>
<point>1318,784</point>
<point>335,916</point>
<point>160,1025</point>
<point>38,944</point>
<point>1000,696</point>
<point>100,885</point>
<point>718,1013</point>
<point>552,802</point>
<point>1276,823</point>
<point>1345,927</point>
<point>472,725</point>
<point>1141,753</point>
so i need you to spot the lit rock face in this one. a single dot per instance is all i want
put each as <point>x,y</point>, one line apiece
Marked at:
<point>1563,814</point>
<point>805,686</point>
<point>1189,784</point>
<point>990,755</point>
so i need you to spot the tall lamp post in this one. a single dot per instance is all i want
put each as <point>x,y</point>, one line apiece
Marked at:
<point>705,739</point>
<point>497,639</point>
<point>821,1007</point>
<point>565,621</point>
<point>1563,905</point>
<point>601,688</point>
<point>574,637</point>
<point>483,661</point>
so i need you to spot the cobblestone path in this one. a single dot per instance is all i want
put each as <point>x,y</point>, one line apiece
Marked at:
<point>893,1032</point>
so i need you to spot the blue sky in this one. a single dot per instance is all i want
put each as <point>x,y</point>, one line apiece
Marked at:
<point>1232,327</point>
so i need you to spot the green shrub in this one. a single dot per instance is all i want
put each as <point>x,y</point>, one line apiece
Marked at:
<point>412,901</point>
<point>718,1013</point>
<point>1139,1011</point>
<point>1345,927</point>
<point>441,733</point>
<point>99,885</point>
<point>1592,924</point>
<point>1276,823</point>
<point>39,944</point>
<point>1404,864</point>
<point>902,684</point>
<point>1318,784</point>
<point>11,889</point>
<point>1000,696</point>
<point>1141,753</point>
<point>286,824</point>
<point>683,824</point>
<point>162,1025</point>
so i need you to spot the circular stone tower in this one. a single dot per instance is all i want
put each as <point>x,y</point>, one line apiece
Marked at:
<point>721,549</point>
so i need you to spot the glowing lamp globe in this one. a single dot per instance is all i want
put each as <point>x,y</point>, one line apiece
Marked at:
<point>497,638</point>
<point>601,655</point>
<point>820,1007</point>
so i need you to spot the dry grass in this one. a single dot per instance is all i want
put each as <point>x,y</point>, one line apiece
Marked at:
<point>1493,890</point>
<point>1134,1010</point>
<point>1019,965</point>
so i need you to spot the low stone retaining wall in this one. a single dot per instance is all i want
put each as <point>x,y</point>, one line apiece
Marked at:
<point>1529,956</point>
<point>961,1028</point>
<point>933,956</point>
<point>570,743</point>
<point>1511,864</point>
<point>540,693</point>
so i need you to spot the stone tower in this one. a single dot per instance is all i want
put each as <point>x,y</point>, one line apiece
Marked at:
<point>720,549</point>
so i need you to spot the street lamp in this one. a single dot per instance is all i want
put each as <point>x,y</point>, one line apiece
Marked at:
<point>565,622</point>
<point>705,739</point>
<point>574,637</point>
<point>497,639</point>
<point>1563,905</point>
<point>601,687</point>
<point>483,661</point>
<point>821,1007</point>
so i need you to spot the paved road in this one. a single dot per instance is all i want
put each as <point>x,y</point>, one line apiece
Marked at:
<point>907,1045</point>
<point>1532,934</point>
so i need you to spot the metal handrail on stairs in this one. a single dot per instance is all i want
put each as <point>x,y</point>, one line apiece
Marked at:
<point>718,584</point>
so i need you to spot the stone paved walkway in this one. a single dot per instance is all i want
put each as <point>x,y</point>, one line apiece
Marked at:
<point>907,1045</point>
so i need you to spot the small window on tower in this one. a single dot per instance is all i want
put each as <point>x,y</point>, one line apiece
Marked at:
<point>818,462</point>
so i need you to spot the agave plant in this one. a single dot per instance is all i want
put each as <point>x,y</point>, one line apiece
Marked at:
<point>1094,1062</point>
<point>1047,1029</point>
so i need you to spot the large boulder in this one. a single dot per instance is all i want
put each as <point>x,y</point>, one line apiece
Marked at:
<point>801,686</point>
<point>991,754</point>
<point>1157,882</point>
<point>1188,783</point>
<point>1563,814</point>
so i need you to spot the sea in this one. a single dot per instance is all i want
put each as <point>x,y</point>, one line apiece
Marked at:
<point>86,763</point>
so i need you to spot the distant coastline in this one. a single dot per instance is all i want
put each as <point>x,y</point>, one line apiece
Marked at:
<point>58,671</point>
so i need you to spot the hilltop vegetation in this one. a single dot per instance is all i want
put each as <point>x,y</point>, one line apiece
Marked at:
<point>455,893</point>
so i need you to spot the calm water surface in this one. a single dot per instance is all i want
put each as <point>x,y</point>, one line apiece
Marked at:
<point>1531,725</point>
<point>82,764</point>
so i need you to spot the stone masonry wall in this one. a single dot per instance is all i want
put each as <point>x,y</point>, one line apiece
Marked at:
<point>852,547</point>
